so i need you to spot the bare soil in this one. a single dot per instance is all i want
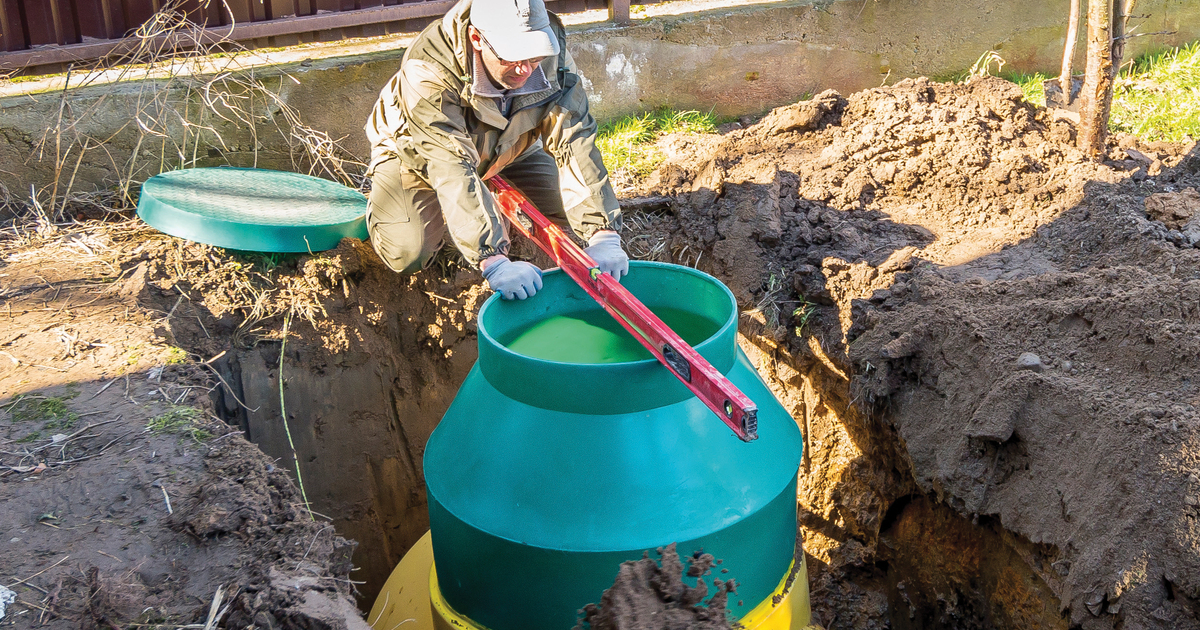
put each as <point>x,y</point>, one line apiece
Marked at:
<point>127,504</point>
<point>988,341</point>
<point>983,329</point>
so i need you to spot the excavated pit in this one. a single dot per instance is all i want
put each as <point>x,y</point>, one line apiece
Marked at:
<point>362,394</point>
<point>986,340</point>
<point>359,421</point>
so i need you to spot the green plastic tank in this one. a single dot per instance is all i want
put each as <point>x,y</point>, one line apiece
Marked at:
<point>557,463</point>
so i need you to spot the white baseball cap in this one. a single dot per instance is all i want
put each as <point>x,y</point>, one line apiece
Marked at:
<point>516,29</point>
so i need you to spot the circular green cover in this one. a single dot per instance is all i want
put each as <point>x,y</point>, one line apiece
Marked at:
<point>253,209</point>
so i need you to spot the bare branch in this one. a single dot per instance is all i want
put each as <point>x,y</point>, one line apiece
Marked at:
<point>1064,76</point>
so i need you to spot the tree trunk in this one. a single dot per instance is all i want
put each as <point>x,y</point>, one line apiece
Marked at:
<point>1096,95</point>
<point>1064,77</point>
<point>1121,11</point>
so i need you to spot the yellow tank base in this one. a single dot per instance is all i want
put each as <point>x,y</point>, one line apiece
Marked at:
<point>411,600</point>
<point>787,608</point>
<point>403,604</point>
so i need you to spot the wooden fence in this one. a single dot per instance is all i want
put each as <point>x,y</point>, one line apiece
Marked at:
<point>47,35</point>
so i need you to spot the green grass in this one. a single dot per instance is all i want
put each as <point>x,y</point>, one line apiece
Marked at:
<point>176,356</point>
<point>26,78</point>
<point>627,144</point>
<point>181,421</point>
<point>1031,85</point>
<point>957,76</point>
<point>265,261</point>
<point>1158,97</point>
<point>802,314</point>
<point>49,409</point>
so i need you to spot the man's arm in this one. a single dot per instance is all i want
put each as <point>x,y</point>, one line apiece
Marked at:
<point>569,134</point>
<point>438,129</point>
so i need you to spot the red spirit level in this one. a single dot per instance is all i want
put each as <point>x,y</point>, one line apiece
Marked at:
<point>709,385</point>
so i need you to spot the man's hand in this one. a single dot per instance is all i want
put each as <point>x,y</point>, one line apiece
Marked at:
<point>605,248</point>
<point>512,280</point>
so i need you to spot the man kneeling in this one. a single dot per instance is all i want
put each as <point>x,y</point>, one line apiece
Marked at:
<point>489,89</point>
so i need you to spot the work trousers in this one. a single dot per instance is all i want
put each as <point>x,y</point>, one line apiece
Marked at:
<point>404,216</point>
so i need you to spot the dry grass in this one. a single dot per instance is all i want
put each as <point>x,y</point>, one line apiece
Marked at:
<point>189,96</point>
<point>644,238</point>
<point>186,100</point>
<point>257,288</point>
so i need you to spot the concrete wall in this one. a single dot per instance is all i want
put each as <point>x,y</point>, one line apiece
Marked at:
<point>734,61</point>
<point>751,59</point>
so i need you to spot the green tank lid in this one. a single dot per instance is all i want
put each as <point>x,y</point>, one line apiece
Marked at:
<point>253,209</point>
<point>543,476</point>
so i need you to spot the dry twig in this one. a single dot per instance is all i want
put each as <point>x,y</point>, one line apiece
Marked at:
<point>187,100</point>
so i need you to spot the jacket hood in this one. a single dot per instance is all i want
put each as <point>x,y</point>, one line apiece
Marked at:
<point>454,26</point>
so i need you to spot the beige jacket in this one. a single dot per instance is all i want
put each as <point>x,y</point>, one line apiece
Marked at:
<point>450,139</point>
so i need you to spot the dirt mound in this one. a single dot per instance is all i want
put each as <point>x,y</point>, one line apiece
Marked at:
<point>125,502</point>
<point>649,595</point>
<point>956,170</point>
<point>111,523</point>
<point>973,323</point>
<point>1061,403</point>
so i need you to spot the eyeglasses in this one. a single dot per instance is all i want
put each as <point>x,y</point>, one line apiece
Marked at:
<point>510,64</point>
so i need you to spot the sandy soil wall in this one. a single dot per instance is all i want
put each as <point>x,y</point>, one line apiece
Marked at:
<point>363,392</point>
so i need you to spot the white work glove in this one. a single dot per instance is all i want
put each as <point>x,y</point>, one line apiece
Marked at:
<point>605,248</point>
<point>512,280</point>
